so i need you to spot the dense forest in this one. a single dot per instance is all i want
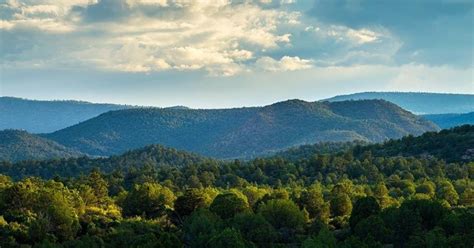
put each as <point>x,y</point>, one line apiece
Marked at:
<point>16,145</point>
<point>242,132</point>
<point>326,195</point>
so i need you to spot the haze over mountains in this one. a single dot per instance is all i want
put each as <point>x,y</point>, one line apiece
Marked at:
<point>419,103</point>
<point>47,116</point>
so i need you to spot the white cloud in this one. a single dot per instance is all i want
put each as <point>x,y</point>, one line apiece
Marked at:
<point>216,36</point>
<point>286,63</point>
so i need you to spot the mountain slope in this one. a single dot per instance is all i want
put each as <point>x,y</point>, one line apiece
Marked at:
<point>47,116</point>
<point>18,145</point>
<point>242,132</point>
<point>418,103</point>
<point>451,120</point>
<point>452,145</point>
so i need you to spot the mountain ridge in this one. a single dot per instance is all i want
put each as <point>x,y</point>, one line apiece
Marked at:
<point>240,132</point>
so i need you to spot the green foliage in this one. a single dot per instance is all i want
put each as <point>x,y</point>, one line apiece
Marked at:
<point>282,214</point>
<point>266,202</point>
<point>227,205</point>
<point>149,199</point>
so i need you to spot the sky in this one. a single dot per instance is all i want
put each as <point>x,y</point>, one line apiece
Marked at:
<point>223,53</point>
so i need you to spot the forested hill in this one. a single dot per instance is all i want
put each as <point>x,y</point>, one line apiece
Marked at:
<point>419,103</point>
<point>16,145</point>
<point>242,132</point>
<point>153,156</point>
<point>451,145</point>
<point>451,120</point>
<point>47,116</point>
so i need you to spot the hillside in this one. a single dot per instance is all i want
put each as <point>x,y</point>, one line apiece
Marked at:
<point>242,132</point>
<point>47,116</point>
<point>451,120</point>
<point>418,103</point>
<point>18,145</point>
<point>153,156</point>
<point>451,145</point>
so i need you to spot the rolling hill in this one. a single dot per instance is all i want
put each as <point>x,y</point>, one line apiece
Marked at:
<point>242,132</point>
<point>452,145</point>
<point>418,103</point>
<point>151,156</point>
<point>451,120</point>
<point>47,116</point>
<point>18,145</point>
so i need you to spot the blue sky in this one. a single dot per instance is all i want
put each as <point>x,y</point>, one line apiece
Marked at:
<point>222,53</point>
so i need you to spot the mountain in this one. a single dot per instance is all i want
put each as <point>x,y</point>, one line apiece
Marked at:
<point>152,156</point>
<point>18,145</point>
<point>451,120</point>
<point>242,132</point>
<point>47,116</point>
<point>418,103</point>
<point>451,145</point>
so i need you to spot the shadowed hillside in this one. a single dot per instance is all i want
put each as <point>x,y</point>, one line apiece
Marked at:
<point>242,132</point>
<point>18,145</point>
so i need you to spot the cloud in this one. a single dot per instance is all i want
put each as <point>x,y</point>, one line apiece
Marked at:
<point>218,37</point>
<point>286,63</point>
<point>232,37</point>
<point>436,32</point>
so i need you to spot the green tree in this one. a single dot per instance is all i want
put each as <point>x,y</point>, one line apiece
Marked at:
<point>282,214</point>
<point>227,205</point>
<point>341,204</point>
<point>149,199</point>
<point>363,208</point>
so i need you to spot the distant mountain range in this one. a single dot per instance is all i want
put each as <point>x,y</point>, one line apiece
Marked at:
<point>48,116</point>
<point>19,145</point>
<point>419,103</point>
<point>451,120</point>
<point>241,132</point>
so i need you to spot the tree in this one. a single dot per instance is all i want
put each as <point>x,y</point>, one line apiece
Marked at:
<point>227,205</point>
<point>228,238</point>
<point>255,228</point>
<point>363,208</point>
<point>149,199</point>
<point>200,227</point>
<point>324,239</point>
<point>188,202</point>
<point>447,192</point>
<point>341,204</point>
<point>313,201</point>
<point>282,214</point>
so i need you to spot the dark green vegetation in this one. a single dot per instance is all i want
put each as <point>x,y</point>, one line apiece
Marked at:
<point>332,197</point>
<point>453,145</point>
<point>242,132</point>
<point>451,120</point>
<point>18,145</point>
<point>47,116</point>
<point>150,156</point>
<point>419,103</point>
